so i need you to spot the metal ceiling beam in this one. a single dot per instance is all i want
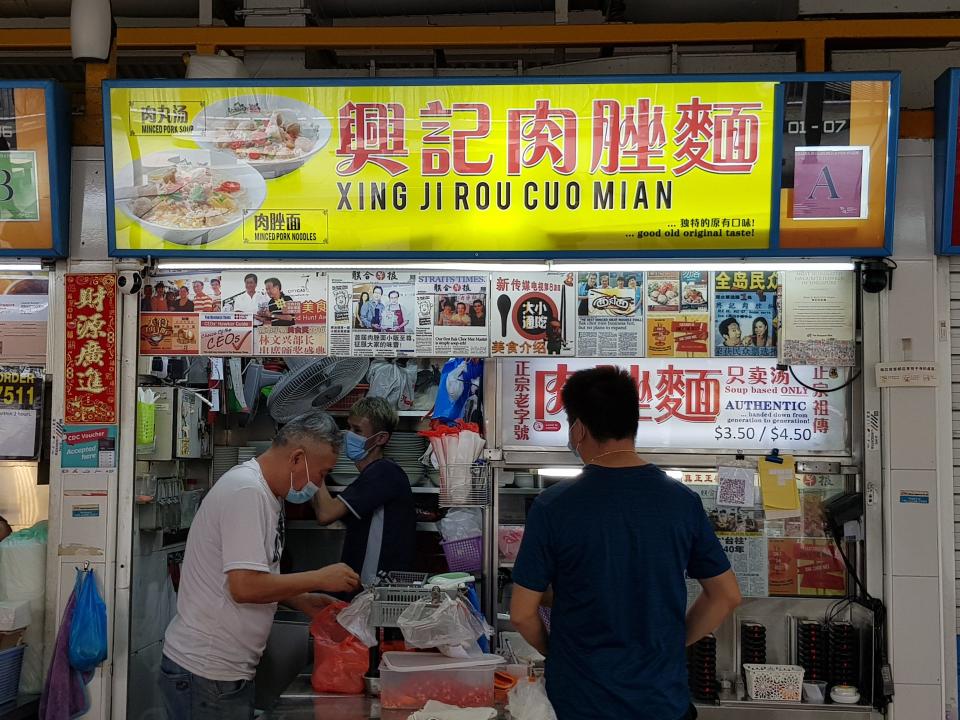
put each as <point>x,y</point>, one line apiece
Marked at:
<point>340,37</point>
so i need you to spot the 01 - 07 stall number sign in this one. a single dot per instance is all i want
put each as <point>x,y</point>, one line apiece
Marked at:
<point>21,408</point>
<point>703,403</point>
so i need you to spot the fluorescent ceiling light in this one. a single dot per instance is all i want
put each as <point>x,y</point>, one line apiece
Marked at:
<point>559,472</point>
<point>347,265</point>
<point>21,267</point>
<point>675,474</point>
<point>507,266</point>
<point>731,264</point>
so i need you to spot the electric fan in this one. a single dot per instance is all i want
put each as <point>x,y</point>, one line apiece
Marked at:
<point>314,384</point>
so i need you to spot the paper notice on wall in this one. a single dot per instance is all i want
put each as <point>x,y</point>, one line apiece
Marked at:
<point>817,318</point>
<point>452,318</point>
<point>21,407</point>
<point>374,313</point>
<point>778,487</point>
<point>610,314</point>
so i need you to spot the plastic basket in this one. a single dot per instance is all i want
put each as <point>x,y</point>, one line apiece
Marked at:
<point>464,555</point>
<point>389,602</point>
<point>464,485</point>
<point>774,682</point>
<point>10,663</point>
<point>346,402</point>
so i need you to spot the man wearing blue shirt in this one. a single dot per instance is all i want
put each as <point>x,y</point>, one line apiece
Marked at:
<point>615,548</point>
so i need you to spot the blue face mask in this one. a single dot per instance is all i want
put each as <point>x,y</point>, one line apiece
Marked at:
<point>356,445</point>
<point>298,497</point>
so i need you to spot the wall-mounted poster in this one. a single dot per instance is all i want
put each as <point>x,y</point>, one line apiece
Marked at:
<point>165,333</point>
<point>610,314</point>
<point>534,314</point>
<point>452,316</point>
<point>837,165</point>
<point>21,412</point>
<point>24,308</point>
<point>678,319</point>
<point>374,313</point>
<point>34,168</point>
<point>706,404</point>
<point>288,310</point>
<point>745,313</point>
<point>818,318</point>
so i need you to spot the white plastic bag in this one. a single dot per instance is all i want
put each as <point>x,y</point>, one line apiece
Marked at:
<point>355,618</point>
<point>450,625</point>
<point>23,563</point>
<point>408,389</point>
<point>529,701</point>
<point>461,524</point>
<point>386,381</point>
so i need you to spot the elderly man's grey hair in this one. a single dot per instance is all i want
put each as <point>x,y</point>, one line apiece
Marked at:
<point>310,428</point>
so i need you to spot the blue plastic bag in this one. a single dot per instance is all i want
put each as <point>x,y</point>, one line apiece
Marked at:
<point>88,632</point>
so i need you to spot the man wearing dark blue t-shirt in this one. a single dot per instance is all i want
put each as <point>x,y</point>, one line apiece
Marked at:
<point>378,507</point>
<point>615,547</point>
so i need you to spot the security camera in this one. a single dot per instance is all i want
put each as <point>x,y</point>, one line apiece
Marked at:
<point>130,282</point>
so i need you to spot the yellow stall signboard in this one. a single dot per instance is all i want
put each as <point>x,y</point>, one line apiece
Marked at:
<point>489,169</point>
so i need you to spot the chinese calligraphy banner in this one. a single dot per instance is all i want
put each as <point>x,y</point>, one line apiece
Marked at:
<point>707,404</point>
<point>34,168</point>
<point>90,375</point>
<point>492,168</point>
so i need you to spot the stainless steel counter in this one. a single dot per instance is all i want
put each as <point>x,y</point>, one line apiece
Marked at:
<point>300,702</point>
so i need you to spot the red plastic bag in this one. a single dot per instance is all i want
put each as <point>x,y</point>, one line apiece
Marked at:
<point>339,660</point>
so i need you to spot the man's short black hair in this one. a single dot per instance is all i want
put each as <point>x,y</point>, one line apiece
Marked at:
<point>275,282</point>
<point>605,400</point>
<point>251,276</point>
<point>725,326</point>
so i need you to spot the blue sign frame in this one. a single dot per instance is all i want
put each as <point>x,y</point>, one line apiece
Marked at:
<point>57,102</point>
<point>773,251</point>
<point>947,109</point>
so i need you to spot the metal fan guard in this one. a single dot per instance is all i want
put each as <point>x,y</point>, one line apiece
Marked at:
<point>315,385</point>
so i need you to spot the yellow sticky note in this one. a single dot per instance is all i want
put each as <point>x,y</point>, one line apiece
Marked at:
<point>778,484</point>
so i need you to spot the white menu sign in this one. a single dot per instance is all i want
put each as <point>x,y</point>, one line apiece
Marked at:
<point>713,404</point>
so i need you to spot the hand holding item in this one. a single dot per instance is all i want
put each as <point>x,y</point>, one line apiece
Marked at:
<point>337,578</point>
<point>313,603</point>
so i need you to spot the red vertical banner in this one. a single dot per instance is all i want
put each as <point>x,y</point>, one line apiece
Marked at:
<point>90,376</point>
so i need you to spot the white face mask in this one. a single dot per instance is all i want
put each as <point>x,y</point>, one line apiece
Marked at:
<point>575,449</point>
<point>298,497</point>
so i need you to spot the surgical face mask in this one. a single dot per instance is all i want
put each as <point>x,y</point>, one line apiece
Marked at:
<point>298,497</point>
<point>356,445</point>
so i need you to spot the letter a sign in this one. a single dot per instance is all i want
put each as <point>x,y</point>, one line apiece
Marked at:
<point>830,183</point>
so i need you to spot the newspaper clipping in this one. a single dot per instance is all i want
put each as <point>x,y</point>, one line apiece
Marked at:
<point>741,533</point>
<point>678,314</point>
<point>610,314</point>
<point>288,310</point>
<point>745,313</point>
<point>534,314</point>
<point>452,315</point>
<point>373,313</point>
